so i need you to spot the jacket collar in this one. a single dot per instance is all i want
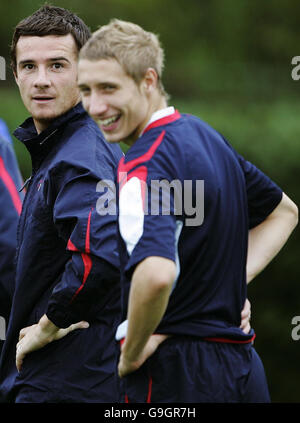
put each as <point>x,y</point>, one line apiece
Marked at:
<point>27,133</point>
<point>39,145</point>
<point>162,117</point>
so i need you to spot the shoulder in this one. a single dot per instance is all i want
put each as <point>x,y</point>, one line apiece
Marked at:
<point>183,132</point>
<point>84,142</point>
<point>83,129</point>
<point>156,151</point>
<point>5,146</point>
<point>193,125</point>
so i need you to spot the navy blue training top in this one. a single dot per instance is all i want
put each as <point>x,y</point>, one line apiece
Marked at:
<point>67,263</point>
<point>186,195</point>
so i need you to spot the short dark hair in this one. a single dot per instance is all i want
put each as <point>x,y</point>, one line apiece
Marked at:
<point>50,20</point>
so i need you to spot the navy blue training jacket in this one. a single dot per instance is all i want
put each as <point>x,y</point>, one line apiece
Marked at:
<point>10,209</point>
<point>67,266</point>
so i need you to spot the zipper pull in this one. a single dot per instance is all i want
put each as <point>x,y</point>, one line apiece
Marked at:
<point>25,184</point>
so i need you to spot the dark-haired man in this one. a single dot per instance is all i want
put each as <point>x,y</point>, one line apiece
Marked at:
<point>67,264</point>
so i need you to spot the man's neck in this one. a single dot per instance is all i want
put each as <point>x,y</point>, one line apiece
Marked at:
<point>42,125</point>
<point>159,103</point>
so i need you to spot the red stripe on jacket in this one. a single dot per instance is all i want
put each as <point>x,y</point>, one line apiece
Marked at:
<point>10,185</point>
<point>86,258</point>
<point>124,168</point>
<point>142,171</point>
<point>163,121</point>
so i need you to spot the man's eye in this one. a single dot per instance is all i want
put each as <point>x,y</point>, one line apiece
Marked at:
<point>109,87</point>
<point>57,65</point>
<point>84,91</point>
<point>28,66</point>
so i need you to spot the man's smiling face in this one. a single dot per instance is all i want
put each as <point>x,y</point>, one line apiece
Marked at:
<point>113,99</point>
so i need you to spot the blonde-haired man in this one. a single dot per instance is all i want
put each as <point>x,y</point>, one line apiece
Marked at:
<point>189,206</point>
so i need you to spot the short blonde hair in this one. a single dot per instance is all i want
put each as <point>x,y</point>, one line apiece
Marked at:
<point>135,49</point>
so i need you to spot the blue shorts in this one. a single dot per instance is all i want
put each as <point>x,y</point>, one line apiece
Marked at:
<point>189,370</point>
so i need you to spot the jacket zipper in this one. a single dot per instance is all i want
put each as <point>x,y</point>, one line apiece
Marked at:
<point>23,217</point>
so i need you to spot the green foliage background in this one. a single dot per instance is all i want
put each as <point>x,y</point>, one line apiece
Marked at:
<point>228,62</point>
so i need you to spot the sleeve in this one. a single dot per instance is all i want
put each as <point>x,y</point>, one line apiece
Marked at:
<point>91,274</point>
<point>11,205</point>
<point>147,222</point>
<point>263,194</point>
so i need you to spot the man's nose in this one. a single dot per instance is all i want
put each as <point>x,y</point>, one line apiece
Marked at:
<point>42,78</point>
<point>98,106</point>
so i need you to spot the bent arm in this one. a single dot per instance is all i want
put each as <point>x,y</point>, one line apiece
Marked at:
<point>267,239</point>
<point>149,295</point>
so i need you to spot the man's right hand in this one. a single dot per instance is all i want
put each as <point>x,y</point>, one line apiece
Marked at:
<point>245,317</point>
<point>126,366</point>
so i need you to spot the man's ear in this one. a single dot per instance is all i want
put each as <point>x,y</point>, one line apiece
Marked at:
<point>150,80</point>
<point>16,76</point>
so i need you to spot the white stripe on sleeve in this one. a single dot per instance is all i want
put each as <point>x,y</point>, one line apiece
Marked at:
<point>131,213</point>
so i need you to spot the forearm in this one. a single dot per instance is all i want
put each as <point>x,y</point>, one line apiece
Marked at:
<point>147,303</point>
<point>267,239</point>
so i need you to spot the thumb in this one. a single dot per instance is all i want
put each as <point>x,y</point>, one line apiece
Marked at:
<point>79,325</point>
<point>63,332</point>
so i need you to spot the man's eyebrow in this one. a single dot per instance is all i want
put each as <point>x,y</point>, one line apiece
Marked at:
<point>22,62</point>
<point>98,85</point>
<point>52,59</point>
<point>57,59</point>
<point>82,85</point>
